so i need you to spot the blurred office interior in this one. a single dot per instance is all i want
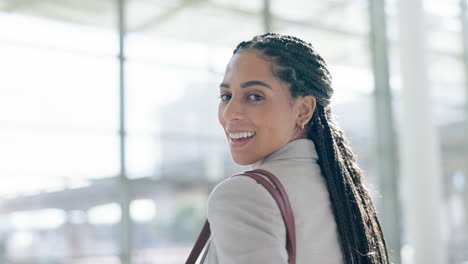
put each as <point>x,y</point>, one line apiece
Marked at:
<point>109,140</point>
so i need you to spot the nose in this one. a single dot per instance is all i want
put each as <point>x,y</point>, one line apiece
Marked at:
<point>233,110</point>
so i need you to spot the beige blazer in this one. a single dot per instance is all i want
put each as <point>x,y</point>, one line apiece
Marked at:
<point>246,223</point>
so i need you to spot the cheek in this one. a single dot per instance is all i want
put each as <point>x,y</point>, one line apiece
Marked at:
<point>220,114</point>
<point>267,121</point>
<point>279,120</point>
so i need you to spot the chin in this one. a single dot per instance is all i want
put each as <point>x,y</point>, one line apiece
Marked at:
<point>239,160</point>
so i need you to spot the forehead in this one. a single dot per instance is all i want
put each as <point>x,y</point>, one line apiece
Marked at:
<point>249,64</point>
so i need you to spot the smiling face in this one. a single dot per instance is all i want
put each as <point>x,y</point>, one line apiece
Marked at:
<point>255,109</point>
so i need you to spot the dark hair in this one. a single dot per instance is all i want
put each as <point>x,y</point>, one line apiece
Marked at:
<point>298,64</point>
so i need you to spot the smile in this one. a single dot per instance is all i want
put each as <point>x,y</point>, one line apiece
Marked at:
<point>240,139</point>
<point>241,135</point>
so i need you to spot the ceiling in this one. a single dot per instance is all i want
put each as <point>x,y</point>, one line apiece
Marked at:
<point>338,28</point>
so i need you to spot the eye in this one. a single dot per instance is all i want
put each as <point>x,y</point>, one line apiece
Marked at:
<point>225,97</point>
<point>255,97</point>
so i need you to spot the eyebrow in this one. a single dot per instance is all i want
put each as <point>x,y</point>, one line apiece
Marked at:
<point>247,84</point>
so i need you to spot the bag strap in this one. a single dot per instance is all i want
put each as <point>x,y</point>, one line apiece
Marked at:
<point>279,194</point>
<point>199,244</point>
<point>281,198</point>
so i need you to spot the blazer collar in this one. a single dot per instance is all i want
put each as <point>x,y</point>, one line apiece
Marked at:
<point>301,148</point>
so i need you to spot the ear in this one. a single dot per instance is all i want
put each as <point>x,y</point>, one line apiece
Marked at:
<point>306,106</point>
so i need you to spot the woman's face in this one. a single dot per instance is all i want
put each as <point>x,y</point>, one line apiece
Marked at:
<point>255,109</point>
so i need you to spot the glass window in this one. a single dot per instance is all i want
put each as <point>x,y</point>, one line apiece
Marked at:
<point>58,130</point>
<point>176,60</point>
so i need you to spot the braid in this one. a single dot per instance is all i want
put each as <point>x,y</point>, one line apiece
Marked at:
<point>297,63</point>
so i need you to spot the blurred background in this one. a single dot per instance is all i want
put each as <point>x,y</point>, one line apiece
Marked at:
<point>109,140</point>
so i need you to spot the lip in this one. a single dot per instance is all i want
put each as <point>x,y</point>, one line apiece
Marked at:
<point>237,143</point>
<point>238,131</point>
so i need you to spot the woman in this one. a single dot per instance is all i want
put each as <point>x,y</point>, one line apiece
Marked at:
<point>274,108</point>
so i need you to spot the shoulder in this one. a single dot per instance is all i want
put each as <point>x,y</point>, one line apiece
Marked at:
<point>240,188</point>
<point>246,223</point>
<point>242,195</point>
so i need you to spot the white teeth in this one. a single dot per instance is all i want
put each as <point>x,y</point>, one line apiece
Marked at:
<point>241,135</point>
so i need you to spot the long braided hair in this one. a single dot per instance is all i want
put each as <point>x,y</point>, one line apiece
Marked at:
<point>298,64</point>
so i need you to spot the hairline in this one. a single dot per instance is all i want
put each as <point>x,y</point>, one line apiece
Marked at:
<point>273,64</point>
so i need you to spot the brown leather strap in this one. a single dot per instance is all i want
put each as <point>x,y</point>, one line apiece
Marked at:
<point>279,194</point>
<point>270,188</point>
<point>282,200</point>
<point>199,244</point>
